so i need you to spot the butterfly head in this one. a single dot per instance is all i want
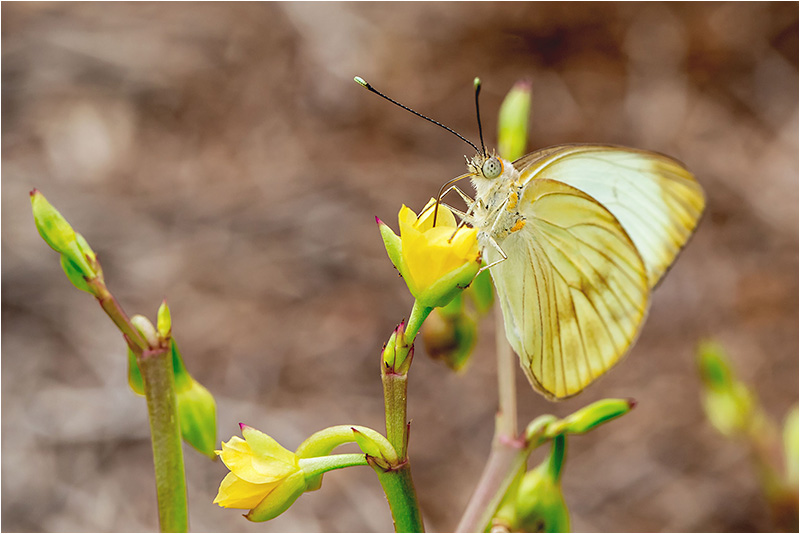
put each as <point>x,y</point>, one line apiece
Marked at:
<point>486,166</point>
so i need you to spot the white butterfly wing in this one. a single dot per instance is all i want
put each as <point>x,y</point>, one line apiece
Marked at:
<point>655,199</point>
<point>573,289</point>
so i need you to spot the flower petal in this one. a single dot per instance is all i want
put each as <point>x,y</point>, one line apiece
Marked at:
<point>444,216</point>
<point>280,499</point>
<point>264,446</point>
<point>239,457</point>
<point>237,493</point>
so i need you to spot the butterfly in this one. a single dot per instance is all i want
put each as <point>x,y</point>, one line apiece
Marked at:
<point>576,237</point>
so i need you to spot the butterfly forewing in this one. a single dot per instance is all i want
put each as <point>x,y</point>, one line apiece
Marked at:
<point>655,199</point>
<point>573,289</point>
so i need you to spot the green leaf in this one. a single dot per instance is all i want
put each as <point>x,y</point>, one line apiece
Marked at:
<point>197,409</point>
<point>135,380</point>
<point>594,415</point>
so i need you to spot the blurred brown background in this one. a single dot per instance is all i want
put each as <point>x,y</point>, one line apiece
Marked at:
<point>221,156</point>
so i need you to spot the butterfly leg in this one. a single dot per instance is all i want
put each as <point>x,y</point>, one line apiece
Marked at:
<point>464,216</point>
<point>465,197</point>
<point>492,240</point>
<point>455,210</point>
<point>503,256</point>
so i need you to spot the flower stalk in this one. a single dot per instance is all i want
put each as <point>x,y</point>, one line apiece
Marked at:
<point>402,498</point>
<point>396,480</point>
<point>153,355</point>
<point>159,388</point>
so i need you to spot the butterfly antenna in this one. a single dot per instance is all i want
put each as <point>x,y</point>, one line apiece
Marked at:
<point>478,112</point>
<point>362,82</point>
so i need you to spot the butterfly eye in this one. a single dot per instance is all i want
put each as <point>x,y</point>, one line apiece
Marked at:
<point>492,168</point>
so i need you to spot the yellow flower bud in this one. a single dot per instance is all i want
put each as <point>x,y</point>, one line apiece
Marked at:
<point>265,478</point>
<point>436,262</point>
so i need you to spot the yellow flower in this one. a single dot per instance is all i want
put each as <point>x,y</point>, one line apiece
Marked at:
<point>436,262</point>
<point>265,478</point>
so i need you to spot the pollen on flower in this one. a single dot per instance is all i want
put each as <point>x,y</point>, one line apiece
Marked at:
<point>520,224</point>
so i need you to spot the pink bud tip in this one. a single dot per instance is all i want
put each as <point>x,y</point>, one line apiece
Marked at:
<point>242,426</point>
<point>632,403</point>
<point>523,84</point>
<point>377,220</point>
<point>34,192</point>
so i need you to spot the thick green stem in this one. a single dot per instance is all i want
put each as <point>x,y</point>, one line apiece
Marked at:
<point>159,389</point>
<point>396,481</point>
<point>395,387</point>
<point>399,490</point>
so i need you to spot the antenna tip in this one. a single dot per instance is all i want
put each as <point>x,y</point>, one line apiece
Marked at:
<point>361,81</point>
<point>477,83</point>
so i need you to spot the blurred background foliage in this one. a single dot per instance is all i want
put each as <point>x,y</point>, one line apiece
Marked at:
<point>221,156</point>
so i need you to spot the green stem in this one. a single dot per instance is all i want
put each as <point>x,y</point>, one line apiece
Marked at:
<point>505,460</point>
<point>116,313</point>
<point>396,482</point>
<point>508,452</point>
<point>159,389</point>
<point>395,387</point>
<point>506,421</point>
<point>418,315</point>
<point>399,490</point>
<point>317,466</point>
<point>557,452</point>
<point>321,443</point>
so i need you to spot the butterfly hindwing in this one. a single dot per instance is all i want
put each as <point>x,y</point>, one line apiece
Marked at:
<point>573,289</point>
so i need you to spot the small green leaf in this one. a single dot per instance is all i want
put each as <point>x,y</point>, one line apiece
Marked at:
<point>135,380</point>
<point>393,245</point>
<point>594,415</point>
<point>197,409</point>
<point>164,321</point>
<point>714,365</point>
<point>74,274</point>
<point>729,404</point>
<point>52,226</point>
<point>77,258</point>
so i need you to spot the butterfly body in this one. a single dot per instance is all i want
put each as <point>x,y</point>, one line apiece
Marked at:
<point>576,237</point>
